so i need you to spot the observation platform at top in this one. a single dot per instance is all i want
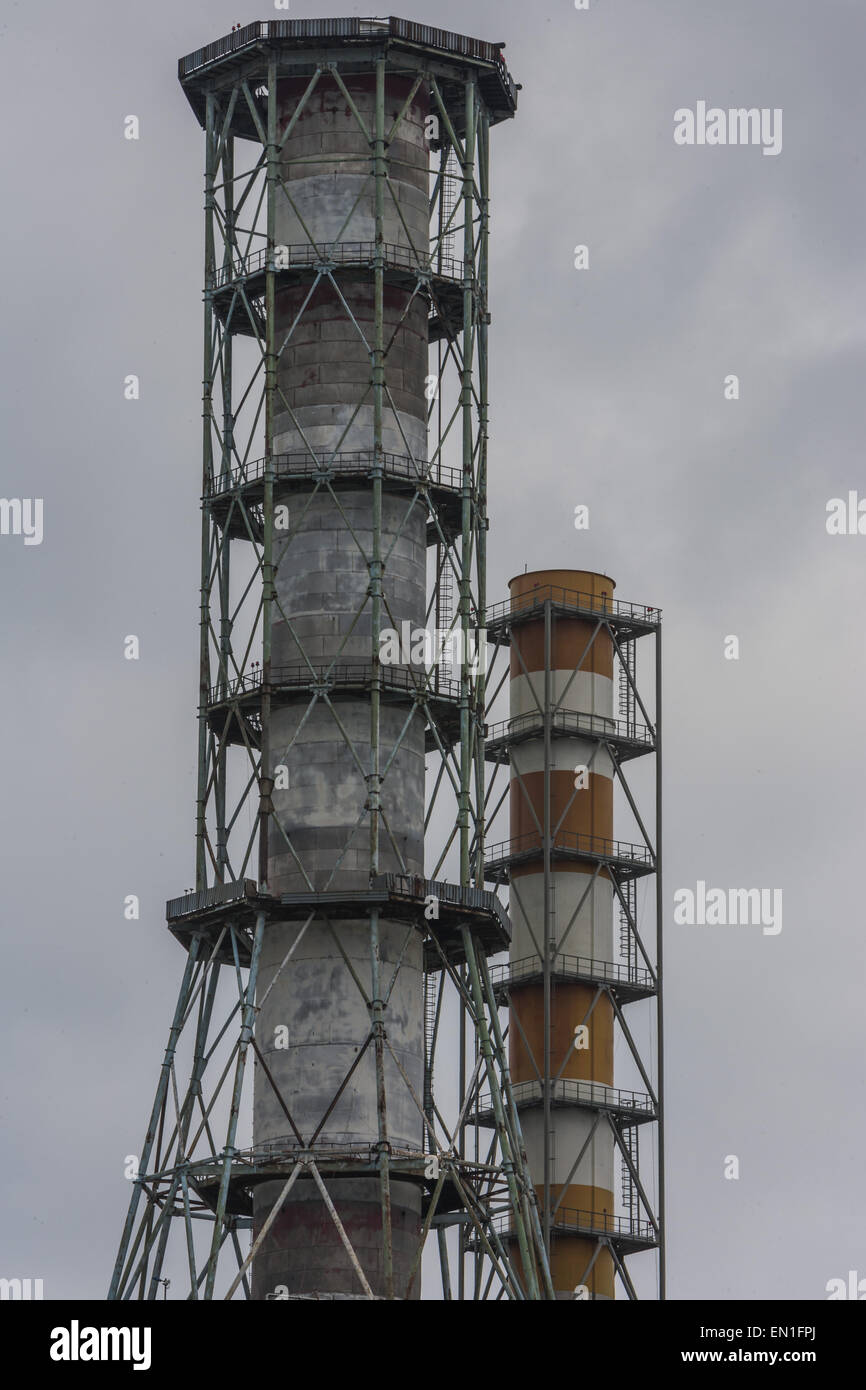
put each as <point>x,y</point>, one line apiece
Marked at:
<point>628,620</point>
<point>302,45</point>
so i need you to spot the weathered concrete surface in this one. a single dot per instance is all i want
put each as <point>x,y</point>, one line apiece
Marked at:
<point>325,402</point>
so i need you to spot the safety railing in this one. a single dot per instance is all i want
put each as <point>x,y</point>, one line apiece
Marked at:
<point>569,721</point>
<point>303,255</point>
<point>594,605</point>
<point>354,28</point>
<point>576,967</point>
<point>460,895</point>
<point>220,48</point>
<point>600,1223</point>
<point>418,682</point>
<point>573,1092</point>
<point>347,462</point>
<point>595,846</point>
<point>204,898</point>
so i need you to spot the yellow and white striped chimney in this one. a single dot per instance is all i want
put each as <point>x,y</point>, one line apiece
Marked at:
<point>574,818</point>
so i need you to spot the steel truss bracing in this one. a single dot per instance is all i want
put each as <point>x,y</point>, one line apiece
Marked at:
<point>195,1215</point>
<point>634,1118</point>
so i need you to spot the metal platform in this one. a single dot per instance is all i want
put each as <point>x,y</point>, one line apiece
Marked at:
<point>234,707</point>
<point>628,620</point>
<point>627,985</point>
<point>211,912</point>
<point>629,860</point>
<point>627,1237</point>
<point>401,897</point>
<point>237,290</point>
<point>630,1107</point>
<point>275,1162</point>
<point>235,499</point>
<point>631,740</point>
<point>417,45</point>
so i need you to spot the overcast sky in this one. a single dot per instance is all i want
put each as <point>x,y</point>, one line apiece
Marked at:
<point>607,389</point>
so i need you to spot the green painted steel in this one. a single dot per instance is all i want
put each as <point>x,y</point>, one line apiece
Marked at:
<point>196,1177</point>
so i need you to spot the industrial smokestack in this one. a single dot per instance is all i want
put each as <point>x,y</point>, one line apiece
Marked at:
<point>347,186</point>
<point>355,563</point>
<point>552,897</point>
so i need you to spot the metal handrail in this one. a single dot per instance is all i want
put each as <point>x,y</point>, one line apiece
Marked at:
<point>605,1223</point>
<point>462,895</point>
<point>571,840</point>
<point>235,890</point>
<point>299,675</point>
<point>445,39</point>
<point>595,604</point>
<point>288,1147</point>
<point>572,965</point>
<point>595,1222</point>
<point>303,464</point>
<point>568,719</point>
<point>306,254</point>
<point>583,1092</point>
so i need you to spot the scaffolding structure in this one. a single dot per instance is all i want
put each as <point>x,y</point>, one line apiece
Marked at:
<point>211,1201</point>
<point>555,714</point>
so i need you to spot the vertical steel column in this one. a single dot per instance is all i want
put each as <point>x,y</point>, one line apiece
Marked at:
<point>466,524</point>
<point>223,547</point>
<point>207,479</point>
<point>505,1139</point>
<point>481,491</point>
<point>659,950</point>
<point>530,1201</point>
<point>161,1091</point>
<point>466,510</point>
<point>249,1013</point>
<point>546,923</point>
<point>461,1135</point>
<point>266,780</point>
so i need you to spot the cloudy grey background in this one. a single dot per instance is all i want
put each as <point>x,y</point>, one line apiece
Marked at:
<point>607,389</point>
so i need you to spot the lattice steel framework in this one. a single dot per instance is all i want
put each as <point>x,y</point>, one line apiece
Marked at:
<point>633,975</point>
<point>195,1197</point>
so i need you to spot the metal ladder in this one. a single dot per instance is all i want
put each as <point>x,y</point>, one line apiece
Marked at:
<point>627,942</point>
<point>550,926</point>
<point>627,702</point>
<point>630,1196</point>
<point>451,190</point>
<point>444,607</point>
<point>431,1011</point>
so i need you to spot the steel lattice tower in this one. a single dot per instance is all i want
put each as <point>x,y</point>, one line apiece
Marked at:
<point>578,991</point>
<point>343,498</point>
